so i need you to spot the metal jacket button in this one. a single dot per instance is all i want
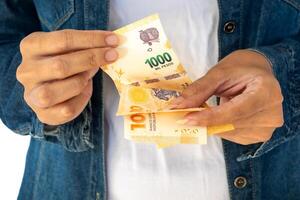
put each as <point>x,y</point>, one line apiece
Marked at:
<point>240,182</point>
<point>229,27</point>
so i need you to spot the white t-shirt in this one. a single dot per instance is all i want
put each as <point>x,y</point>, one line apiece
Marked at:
<point>137,171</point>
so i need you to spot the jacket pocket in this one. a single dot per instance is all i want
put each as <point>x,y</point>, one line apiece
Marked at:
<point>53,14</point>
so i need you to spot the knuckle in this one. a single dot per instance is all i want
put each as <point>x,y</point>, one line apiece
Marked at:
<point>280,98</point>
<point>28,41</point>
<point>92,59</point>
<point>277,96</point>
<point>20,73</point>
<point>66,40</point>
<point>42,119</point>
<point>25,42</point>
<point>44,96</point>
<point>43,116</point>
<point>23,45</point>
<point>68,111</point>
<point>24,75</point>
<point>81,81</point>
<point>25,97</point>
<point>280,122</point>
<point>190,90</point>
<point>59,67</point>
<point>91,39</point>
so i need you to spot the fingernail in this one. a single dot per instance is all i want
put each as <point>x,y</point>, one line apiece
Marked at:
<point>112,40</point>
<point>39,99</point>
<point>111,55</point>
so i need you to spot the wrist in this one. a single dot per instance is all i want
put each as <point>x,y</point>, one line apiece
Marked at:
<point>256,58</point>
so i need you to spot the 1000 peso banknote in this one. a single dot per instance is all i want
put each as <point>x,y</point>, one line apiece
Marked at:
<point>148,76</point>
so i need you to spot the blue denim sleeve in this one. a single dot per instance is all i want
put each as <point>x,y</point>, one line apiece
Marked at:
<point>17,19</point>
<point>284,58</point>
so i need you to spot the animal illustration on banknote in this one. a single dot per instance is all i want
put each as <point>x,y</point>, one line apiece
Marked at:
<point>165,95</point>
<point>149,36</point>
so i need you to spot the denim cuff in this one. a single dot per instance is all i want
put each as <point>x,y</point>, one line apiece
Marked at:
<point>74,136</point>
<point>285,61</point>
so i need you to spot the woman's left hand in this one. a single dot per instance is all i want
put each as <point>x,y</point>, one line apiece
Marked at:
<point>250,98</point>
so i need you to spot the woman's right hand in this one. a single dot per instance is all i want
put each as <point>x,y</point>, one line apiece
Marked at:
<point>57,70</point>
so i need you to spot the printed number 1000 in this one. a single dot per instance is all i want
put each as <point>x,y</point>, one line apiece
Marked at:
<point>159,59</point>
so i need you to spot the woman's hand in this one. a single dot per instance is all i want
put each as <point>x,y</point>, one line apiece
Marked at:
<point>57,70</point>
<point>250,97</point>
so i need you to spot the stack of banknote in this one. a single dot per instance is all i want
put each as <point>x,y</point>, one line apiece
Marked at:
<point>148,77</point>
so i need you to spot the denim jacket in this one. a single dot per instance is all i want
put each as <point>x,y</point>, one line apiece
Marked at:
<point>68,162</point>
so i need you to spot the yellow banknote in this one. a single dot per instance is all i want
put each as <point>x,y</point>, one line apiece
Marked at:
<point>149,60</point>
<point>161,125</point>
<point>148,76</point>
<point>135,99</point>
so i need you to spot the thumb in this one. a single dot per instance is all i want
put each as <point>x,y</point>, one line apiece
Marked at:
<point>198,92</point>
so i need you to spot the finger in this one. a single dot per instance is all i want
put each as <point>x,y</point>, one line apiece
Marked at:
<point>66,111</point>
<point>271,117</point>
<point>51,93</point>
<point>246,136</point>
<point>61,67</point>
<point>198,92</point>
<point>241,106</point>
<point>58,42</point>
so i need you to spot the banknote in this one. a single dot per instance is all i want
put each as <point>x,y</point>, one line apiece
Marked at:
<point>161,128</point>
<point>135,99</point>
<point>149,60</point>
<point>149,76</point>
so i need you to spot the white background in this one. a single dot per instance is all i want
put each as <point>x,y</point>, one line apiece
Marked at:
<point>13,150</point>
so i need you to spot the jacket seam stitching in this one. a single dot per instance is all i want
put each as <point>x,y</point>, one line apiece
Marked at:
<point>273,144</point>
<point>60,21</point>
<point>293,3</point>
